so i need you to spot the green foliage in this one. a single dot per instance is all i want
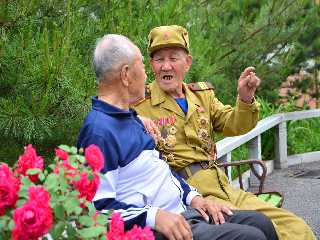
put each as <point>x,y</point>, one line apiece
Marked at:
<point>46,46</point>
<point>303,136</point>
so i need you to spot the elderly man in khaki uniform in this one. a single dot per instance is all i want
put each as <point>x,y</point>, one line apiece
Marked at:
<point>188,115</point>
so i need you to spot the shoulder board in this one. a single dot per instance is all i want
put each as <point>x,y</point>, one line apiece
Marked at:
<point>147,96</point>
<point>147,91</point>
<point>200,86</point>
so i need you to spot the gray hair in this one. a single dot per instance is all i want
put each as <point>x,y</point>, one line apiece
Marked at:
<point>112,51</point>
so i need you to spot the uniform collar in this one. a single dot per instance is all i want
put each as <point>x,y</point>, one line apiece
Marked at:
<point>193,101</point>
<point>111,110</point>
<point>158,96</point>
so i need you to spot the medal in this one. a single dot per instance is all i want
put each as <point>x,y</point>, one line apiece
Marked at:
<point>200,109</point>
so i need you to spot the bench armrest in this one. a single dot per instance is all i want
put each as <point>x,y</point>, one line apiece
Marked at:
<point>251,163</point>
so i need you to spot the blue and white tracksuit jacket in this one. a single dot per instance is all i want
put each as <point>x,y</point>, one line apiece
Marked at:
<point>137,182</point>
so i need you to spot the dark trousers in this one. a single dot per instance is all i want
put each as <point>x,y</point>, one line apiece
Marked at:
<point>242,225</point>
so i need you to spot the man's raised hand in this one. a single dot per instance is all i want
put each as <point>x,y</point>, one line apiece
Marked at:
<point>247,84</point>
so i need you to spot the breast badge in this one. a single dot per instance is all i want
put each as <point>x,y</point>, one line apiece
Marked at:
<point>168,140</point>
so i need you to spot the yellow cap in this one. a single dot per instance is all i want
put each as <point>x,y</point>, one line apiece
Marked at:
<point>168,36</point>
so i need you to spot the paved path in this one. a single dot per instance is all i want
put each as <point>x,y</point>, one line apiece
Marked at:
<point>302,194</point>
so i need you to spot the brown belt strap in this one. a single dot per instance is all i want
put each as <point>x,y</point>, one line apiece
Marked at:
<point>190,170</point>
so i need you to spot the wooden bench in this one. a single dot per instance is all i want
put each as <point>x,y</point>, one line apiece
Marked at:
<point>273,197</point>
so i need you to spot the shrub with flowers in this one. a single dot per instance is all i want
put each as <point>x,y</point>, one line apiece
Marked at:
<point>54,202</point>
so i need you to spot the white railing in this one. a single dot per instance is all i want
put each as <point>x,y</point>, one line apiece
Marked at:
<point>282,160</point>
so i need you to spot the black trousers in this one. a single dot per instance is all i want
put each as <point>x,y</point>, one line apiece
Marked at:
<point>242,225</point>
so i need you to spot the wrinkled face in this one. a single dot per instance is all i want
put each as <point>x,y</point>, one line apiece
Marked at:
<point>138,75</point>
<point>170,66</point>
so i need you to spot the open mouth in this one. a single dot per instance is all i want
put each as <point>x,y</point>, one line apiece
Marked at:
<point>166,77</point>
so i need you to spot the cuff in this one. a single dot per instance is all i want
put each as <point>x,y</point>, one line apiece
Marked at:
<point>151,217</point>
<point>253,107</point>
<point>190,196</point>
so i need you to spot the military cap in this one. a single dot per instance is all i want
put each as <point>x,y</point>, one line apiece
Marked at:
<point>168,36</point>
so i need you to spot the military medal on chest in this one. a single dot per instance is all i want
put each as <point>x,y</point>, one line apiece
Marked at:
<point>208,144</point>
<point>168,139</point>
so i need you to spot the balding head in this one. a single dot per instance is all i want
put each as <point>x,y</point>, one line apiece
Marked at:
<point>111,52</point>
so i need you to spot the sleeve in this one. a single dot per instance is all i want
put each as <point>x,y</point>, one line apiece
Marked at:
<point>105,198</point>
<point>188,191</point>
<point>233,121</point>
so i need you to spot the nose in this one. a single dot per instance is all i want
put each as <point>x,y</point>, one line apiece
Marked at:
<point>166,66</point>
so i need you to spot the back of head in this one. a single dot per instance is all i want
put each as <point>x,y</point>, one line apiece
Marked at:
<point>111,52</point>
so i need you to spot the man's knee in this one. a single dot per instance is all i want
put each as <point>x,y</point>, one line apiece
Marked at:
<point>260,221</point>
<point>251,233</point>
<point>257,220</point>
<point>240,232</point>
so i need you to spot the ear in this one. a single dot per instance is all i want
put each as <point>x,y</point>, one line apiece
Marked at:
<point>124,75</point>
<point>189,62</point>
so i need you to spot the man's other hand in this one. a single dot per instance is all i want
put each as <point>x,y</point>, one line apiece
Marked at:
<point>207,207</point>
<point>247,85</point>
<point>151,128</point>
<point>173,226</point>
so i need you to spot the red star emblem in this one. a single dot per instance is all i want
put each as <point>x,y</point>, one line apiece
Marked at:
<point>165,36</point>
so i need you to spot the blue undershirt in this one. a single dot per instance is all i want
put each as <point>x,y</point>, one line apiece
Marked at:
<point>183,104</point>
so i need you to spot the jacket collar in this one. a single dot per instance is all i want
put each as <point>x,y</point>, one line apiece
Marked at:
<point>158,96</point>
<point>111,110</point>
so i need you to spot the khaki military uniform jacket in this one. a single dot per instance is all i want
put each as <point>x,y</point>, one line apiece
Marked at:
<point>189,138</point>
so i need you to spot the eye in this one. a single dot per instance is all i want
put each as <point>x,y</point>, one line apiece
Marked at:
<point>158,60</point>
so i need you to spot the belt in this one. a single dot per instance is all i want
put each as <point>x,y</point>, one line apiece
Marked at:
<point>191,169</point>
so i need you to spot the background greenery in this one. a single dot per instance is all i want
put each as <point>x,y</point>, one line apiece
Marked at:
<point>45,57</point>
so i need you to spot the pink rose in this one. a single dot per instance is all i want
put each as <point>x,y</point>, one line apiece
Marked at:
<point>116,225</point>
<point>61,154</point>
<point>29,159</point>
<point>116,231</point>
<point>87,188</point>
<point>69,171</point>
<point>138,233</point>
<point>94,157</point>
<point>39,195</point>
<point>31,221</point>
<point>9,187</point>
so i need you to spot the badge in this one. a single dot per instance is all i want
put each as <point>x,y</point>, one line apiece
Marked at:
<point>170,141</point>
<point>203,134</point>
<point>165,36</point>
<point>173,130</point>
<point>200,109</point>
<point>172,119</point>
<point>170,157</point>
<point>207,146</point>
<point>164,132</point>
<point>160,144</point>
<point>203,121</point>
